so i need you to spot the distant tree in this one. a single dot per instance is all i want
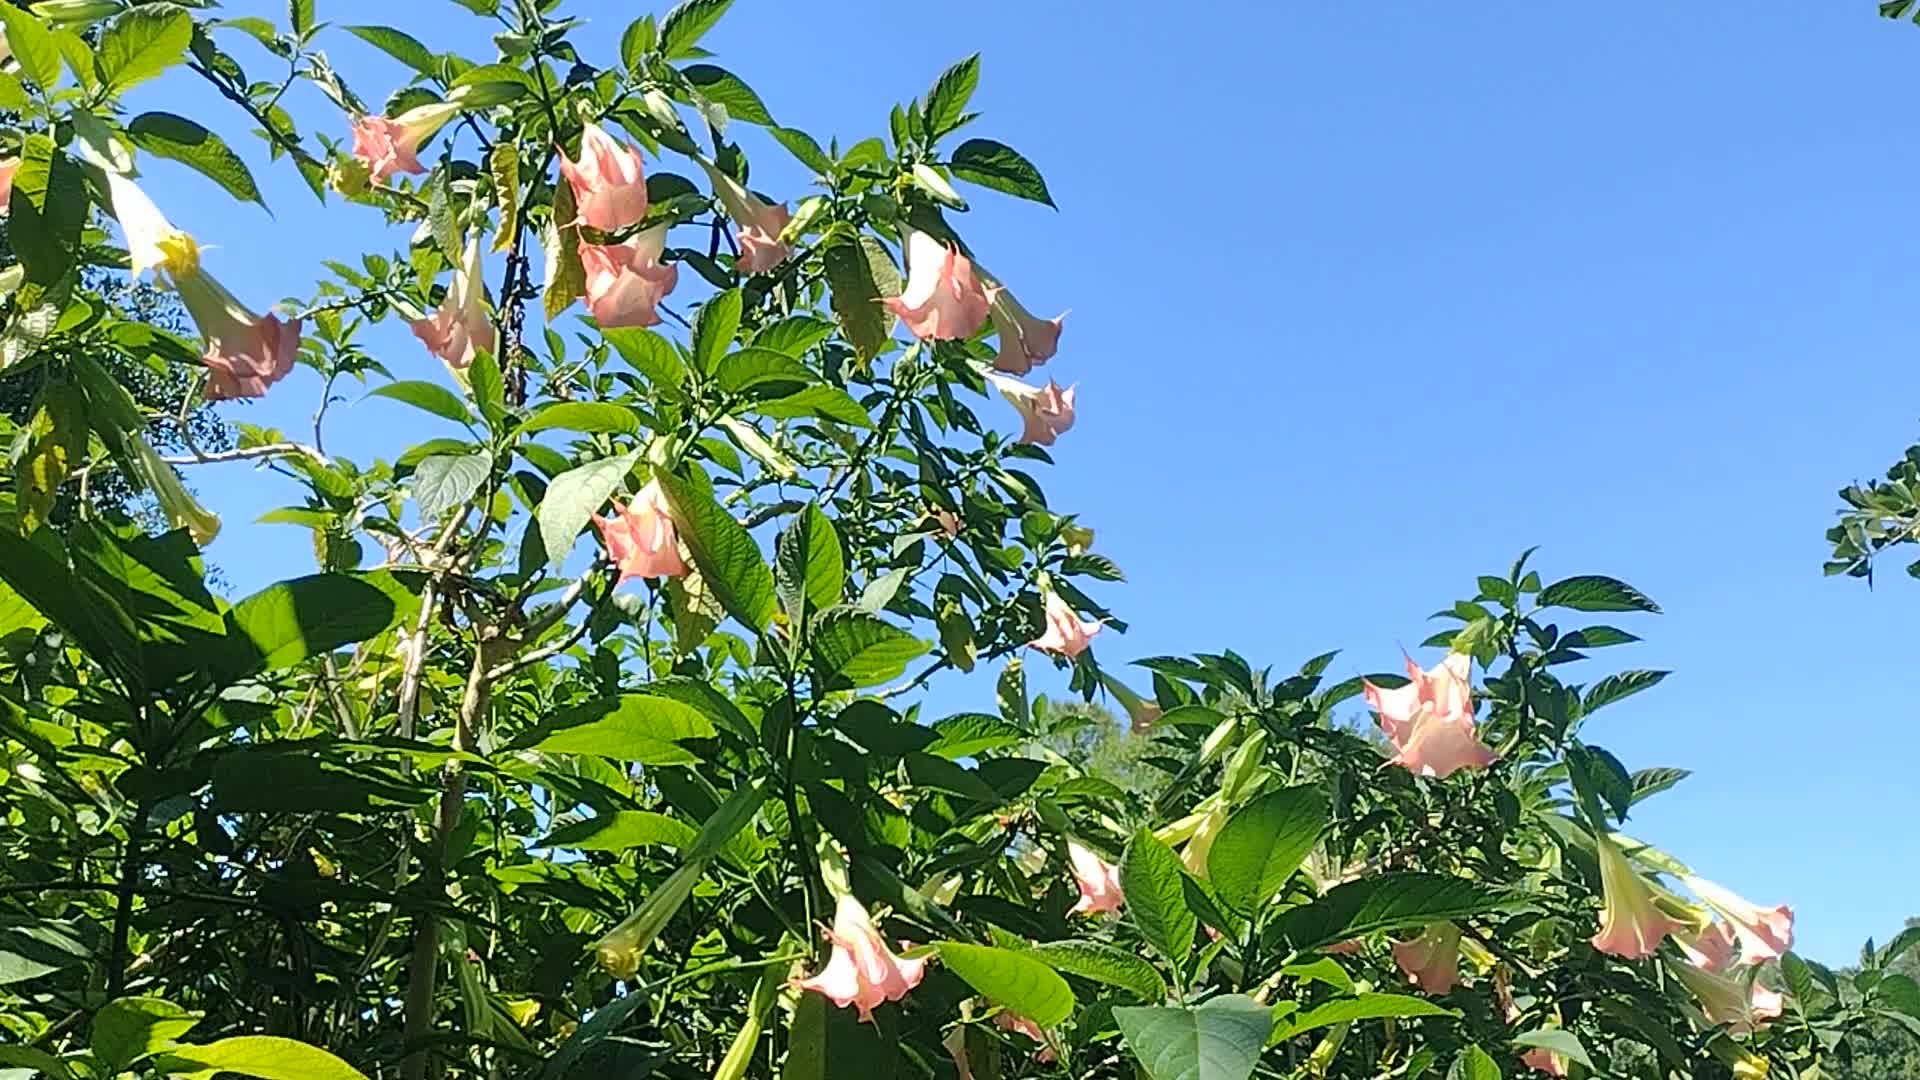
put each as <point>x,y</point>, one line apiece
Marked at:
<point>1889,1050</point>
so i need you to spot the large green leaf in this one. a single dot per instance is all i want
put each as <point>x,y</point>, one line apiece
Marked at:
<point>763,370</point>
<point>49,206</point>
<point>128,1029</point>
<point>445,481</point>
<point>289,621</point>
<point>1559,1040</point>
<point>1592,592</point>
<point>682,28</point>
<point>166,135</point>
<point>1156,892</point>
<point>1219,1040</point>
<point>1620,685</point>
<point>830,1043</point>
<point>809,564</point>
<point>1016,980</point>
<point>1359,1007</point>
<point>947,99</point>
<point>631,727</point>
<point>1474,1064</point>
<point>28,951</point>
<point>1388,902</point>
<point>967,734</point>
<point>574,496</point>
<point>592,417</point>
<point>265,1057</point>
<point>852,648</point>
<point>430,396</point>
<point>620,831</point>
<point>828,402</point>
<point>1105,964</point>
<point>860,274</point>
<point>714,328</point>
<point>1263,843</point>
<point>401,46</point>
<point>142,43</point>
<point>724,88</point>
<point>651,355</point>
<point>297,778</point>
<point>1000,167</point>
<point>725,552</point>
<point>32,45</point>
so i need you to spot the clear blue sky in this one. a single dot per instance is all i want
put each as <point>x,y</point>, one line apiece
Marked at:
<point>1365,302</point>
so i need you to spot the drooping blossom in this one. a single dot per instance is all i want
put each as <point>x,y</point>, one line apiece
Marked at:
<point>1142,714</point>
<point>625,282</point>
<point>1026,341</point>
<point>1066,635</point>
<point>862,972</point>
<point>8,166</point>
<point>1710,949</point>
<point>609,186</point>
<point>948,521</point>
<point>246,353</point>
<point>1764,932</point>
<point>1432,960</point>
<point>1728,999</point>
<point>1099,880</point>
<point>1194,855</point>
<point>757,223</point>
<point>460,325</point>
<point>1429,721</point>
<point>943,298</point>
<point>392,145</point>
<point>1008,1020</point>
<point>956,1044</point>
<point>1631,926</point>
<point>641,542</point>
<point>1045,411</point>
<point>1544,1060</point>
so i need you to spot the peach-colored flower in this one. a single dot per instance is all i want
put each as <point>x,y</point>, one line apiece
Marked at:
<point>1432,960</point>
<point>1099,880</point>
<point>1710,949</point>
<point>1345,948</point>
<point>642,541</point>
<point>1008,1020</point>
<point>391,146</point>
<point>1726,999</point>
<point>1026,342</point>
<point>943,298</point>
<point>1631,926</point>
<point>1066,634</point>
<point>625,282</point>
<point>1429,721</point>
<point>1045,411</point>
<point>757,223</point>
<point>1764,932</point>
<point>460,325</point>
<point>862,972</point>
<point>609,186</point>
<point>948,521</point>
<point>8,166</point>
<point>1544,1060</point>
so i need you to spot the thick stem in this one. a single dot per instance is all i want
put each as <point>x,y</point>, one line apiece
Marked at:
<point>132,865</point>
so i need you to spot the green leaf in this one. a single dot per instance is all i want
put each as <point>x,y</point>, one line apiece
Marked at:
<point>33,46</point>
<point>1597,774</point>
<point>1155,887</point>
<point>49,207</point>
<point>947,100</point>
<point>300,15</point>
<point>637,41</point>
<point>809,564</point>
<point>728,559</point>
<point>30,951</point>
<point>489,388</point>
<point>37,1062</point>
<point>1395,901</point>
<point>1012,979</point>
<point>287,622</point>
<point>801,145</point>
<point>1359,1007</point>
<point>852,648</point>
<point>726,89</point>
<point>1474,1064</point>
<point>1614,687</point>
<point>651,355</point>
<point>1220,1040</point>
<point>430,396</point>
<point>830,1043</point>
<point>998,166</point>
<point>565,277</point>
<point>1263,843</point>
<point>401,46</point>
<point>1104,964</point>
<point>592,417</point>
<point>128,1029</point>
<point>683,27</point>
<point>791,337</point>
<point>860,274</point>
<point>968,734</point>
<point>754,366</point>
<point>713,331</point>
<point>294,778</point>
<point>575,495</point>
<point>1596,637</point>
<point>1559,1040</point>
<point>829,402</point>
<point>620,831</point>
<point>268,1057</point>
<point>1595,593</point>
<point>177,138</point>
<point>445,481</point>
<point>142,43</point>
<point>632,727</point>
<point>1651,782</point>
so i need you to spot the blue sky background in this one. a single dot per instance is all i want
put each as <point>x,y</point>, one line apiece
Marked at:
<point>1364,303</point>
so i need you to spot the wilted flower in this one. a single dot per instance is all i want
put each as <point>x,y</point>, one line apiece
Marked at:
<point>1432,960</point>
<point>1026,342</point>
<point>246,353</point>
<point>1099,880</point>
<point>460,325</point>
<point>609,187</point>
<point>1630,925</point>
<point>389,146</point>
<point>757,223</point>
<point>943,298</point>
<point>1764,932</point>
<point>1066,635</point>
<point>8,166</point>
<point>642,541</point>
<point>1726,999</point>
<point>1045,411</point>
<point>862,971</point>
<point>1430,719</point>
<point>626,281</point>
<point>1008,1020</point>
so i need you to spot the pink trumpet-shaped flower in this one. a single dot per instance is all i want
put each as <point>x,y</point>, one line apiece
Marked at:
<point>642,541</point>
<point>1441,745</point>
<point>1710,949</point>
<point>626,282</point>
<point>1728,999</point>
<point>1631,926</point>
<point>1764,932</point>
<point>1026,342</point>
<point>1544,1060</point>
<point>1429,721</point>
<point>943,298</point>
<point>390,146</point>
<point>460,325</point>
<point>862,972</point>
<point>1432,960</point>
<point>757,223</point>
<point>609,186</point>
<point>1066,635</point>
<point>1045,411</point>
<point>1099,880</point>
<point>8,166</point>
<point>1007,1020</point>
